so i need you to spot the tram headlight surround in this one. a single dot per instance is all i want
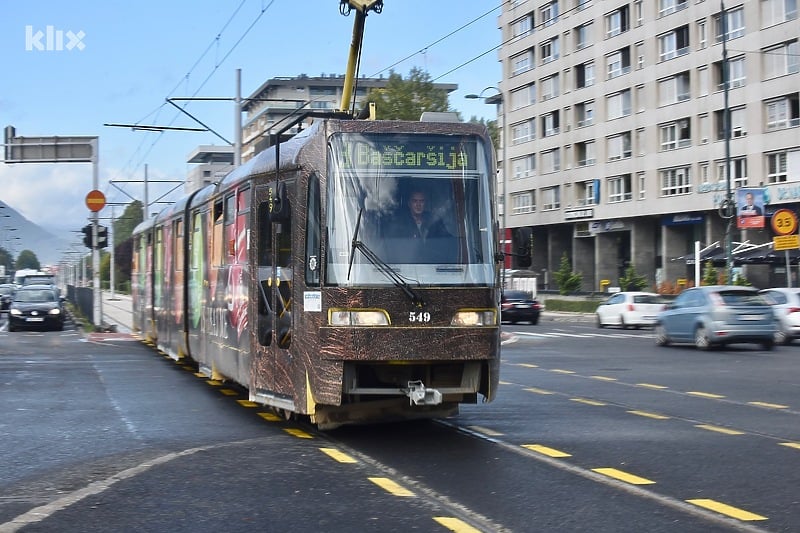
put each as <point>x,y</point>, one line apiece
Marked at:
<point>358,317</point>
<point>474,318</point>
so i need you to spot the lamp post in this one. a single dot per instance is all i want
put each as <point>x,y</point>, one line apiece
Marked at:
<point>499,100</point>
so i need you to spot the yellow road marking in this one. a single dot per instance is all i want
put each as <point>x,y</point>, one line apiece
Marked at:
<point>791,444</point>
<point>728,510</point>
<point>705,395</point>
<point>561,371</point>
<point>604,378</point>
<point>587,402</point>
<point>649,415</point>
<point>246,403</point>
<point>651,386</point>
<point>213,382</point>
<point>528,365</point>
<point>623,476</point>
<point>299,433</point>
<point>544,450</point>
<point>270,417</point>
<point>505,382</point>
<point>456,525</point>
<point>769,405</point>
<point>538,391</point>
<point>391,487</point>
<point>229,392</point>
<point>718,429</point>
<point>337,455</point>
<point>485,431</point>
<point>200,375</point>
<point>188,367</point>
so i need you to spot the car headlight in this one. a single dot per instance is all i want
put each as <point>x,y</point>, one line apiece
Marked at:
<point>358,317</point>
<point>15,312</point>
<point>55,311</point>
<point>475,317</point>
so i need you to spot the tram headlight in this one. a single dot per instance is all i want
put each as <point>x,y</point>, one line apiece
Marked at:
<point>475,317</point>
<point>358,317</point>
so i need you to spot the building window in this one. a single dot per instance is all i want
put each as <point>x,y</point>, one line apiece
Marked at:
<point>673,44</point>
<point>673,89</point>
<point>522,132</point>
<point>619,188</point>
<point>619,104</point>
<point>702,34</point>
<point>735,24</point>
<point>736,74</point>
<point>585,193</point>
<point>522,26</point>
<point>619,146</point>
<point>639,55</point>
<point>550,87</point>
<point>583,4</point>
<point>523,97</point>
<point>584,114</point>
<point>738,121</point>
<point>550,123</point>
<point>667,7</point>
<point>675,134</point>
<point>584,153</point>
<point>783,112</point>
<point>781,60</point>
<point>777,11</point>
<point>702,83</point>
<point>738,172</point>
<point>548,13</point>
<point>618,63</point>
<point>704,174</point>
<point>776,168</point>
<point>521,63</point>
<point>549,50</point>
<point>551,161</point>
<point>584,75</point>
<point>523,167</point>
<point>524,202</point>
<point>642,185</point>
<point>638,12</point>
<point>583,36</point>
<point>675,181</point>
<point>617,21</point>
<point>551,198</point>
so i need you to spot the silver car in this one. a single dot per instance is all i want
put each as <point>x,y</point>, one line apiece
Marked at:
<point>717,315</point>
<point>786,303</point>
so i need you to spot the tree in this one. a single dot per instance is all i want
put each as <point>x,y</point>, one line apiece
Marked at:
<point>123,246</point>
<point>567,280</point>
<point>124,225</point>
<point>631,281</point>
<point>27,259</point>
<point>407,99</point>
<point>710,275</point>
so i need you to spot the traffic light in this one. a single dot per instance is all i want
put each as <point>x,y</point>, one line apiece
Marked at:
<point>87,235</point>
<point>102,237</point>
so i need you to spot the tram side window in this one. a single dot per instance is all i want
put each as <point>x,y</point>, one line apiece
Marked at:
<point>264,250</point>
<point>217,238</point>
<point>313,232</point>
<point>230,240</point>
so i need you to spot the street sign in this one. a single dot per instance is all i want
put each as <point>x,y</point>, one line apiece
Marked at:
<point>786,242</point>
<point>95,200</point>
<point>784,222</point>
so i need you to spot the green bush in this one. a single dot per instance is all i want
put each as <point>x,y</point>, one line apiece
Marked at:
<point>567,280</point>
<point>571,306</point>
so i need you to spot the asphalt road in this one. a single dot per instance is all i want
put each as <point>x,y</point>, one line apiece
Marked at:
<point>593,430</point>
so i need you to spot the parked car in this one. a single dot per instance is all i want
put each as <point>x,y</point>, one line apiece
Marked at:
<point>6,295</point>
<point>785,302</point>
<point>36,305</point>
<point>519,306</point>
<point>716,315</point>
<point>629,309</point>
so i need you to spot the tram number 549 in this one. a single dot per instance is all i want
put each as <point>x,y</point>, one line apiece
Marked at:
<point>422,316</point>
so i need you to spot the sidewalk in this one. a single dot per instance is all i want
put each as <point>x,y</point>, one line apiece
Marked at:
<point>118,311</point>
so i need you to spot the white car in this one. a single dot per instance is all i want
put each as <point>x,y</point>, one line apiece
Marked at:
<point>786,305</point>
<point>630,309</point>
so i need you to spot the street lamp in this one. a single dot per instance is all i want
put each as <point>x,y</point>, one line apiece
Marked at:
<point>498,100</point>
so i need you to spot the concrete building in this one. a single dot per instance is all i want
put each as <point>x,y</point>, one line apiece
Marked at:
<point>213,163</point>
<point>279,98</point>
<point>616,139</point>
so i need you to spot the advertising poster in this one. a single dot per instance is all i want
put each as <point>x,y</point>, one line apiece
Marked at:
<point>749,208</point>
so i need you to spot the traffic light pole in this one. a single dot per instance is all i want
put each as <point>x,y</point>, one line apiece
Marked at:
<point>96,289</point>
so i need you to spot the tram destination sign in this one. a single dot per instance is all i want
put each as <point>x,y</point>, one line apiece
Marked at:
<point>405,152</point>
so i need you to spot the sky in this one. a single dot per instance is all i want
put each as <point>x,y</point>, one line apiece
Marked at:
<point>120,61</point>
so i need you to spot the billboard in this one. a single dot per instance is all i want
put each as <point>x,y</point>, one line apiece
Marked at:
<point>749,207</point>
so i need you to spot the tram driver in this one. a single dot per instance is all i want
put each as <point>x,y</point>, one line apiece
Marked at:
<point>423,237</point>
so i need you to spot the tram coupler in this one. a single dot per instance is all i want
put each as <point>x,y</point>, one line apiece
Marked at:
<point>419,395</point>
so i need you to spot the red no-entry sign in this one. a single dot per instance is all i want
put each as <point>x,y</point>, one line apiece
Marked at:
<point>95,200</point>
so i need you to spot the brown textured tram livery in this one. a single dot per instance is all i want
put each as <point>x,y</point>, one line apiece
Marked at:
<point>307,276</point>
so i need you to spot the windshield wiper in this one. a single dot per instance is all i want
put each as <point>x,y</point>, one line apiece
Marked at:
<point>382,266</point>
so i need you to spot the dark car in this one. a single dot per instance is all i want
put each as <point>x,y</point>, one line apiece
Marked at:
<point>519,306</point>
<point>36,306</point>
<point>6,295</point>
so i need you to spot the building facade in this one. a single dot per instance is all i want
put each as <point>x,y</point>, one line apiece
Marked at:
<point>615,131</point>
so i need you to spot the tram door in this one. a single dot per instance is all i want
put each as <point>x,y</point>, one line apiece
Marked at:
<point>272,293</point>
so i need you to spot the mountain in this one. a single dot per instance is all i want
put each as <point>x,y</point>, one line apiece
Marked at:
<point>17,233</point>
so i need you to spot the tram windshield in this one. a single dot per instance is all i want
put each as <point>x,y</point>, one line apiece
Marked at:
<point>418,205</point>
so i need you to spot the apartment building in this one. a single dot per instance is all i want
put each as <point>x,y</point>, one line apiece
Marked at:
<point>614,121</point>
